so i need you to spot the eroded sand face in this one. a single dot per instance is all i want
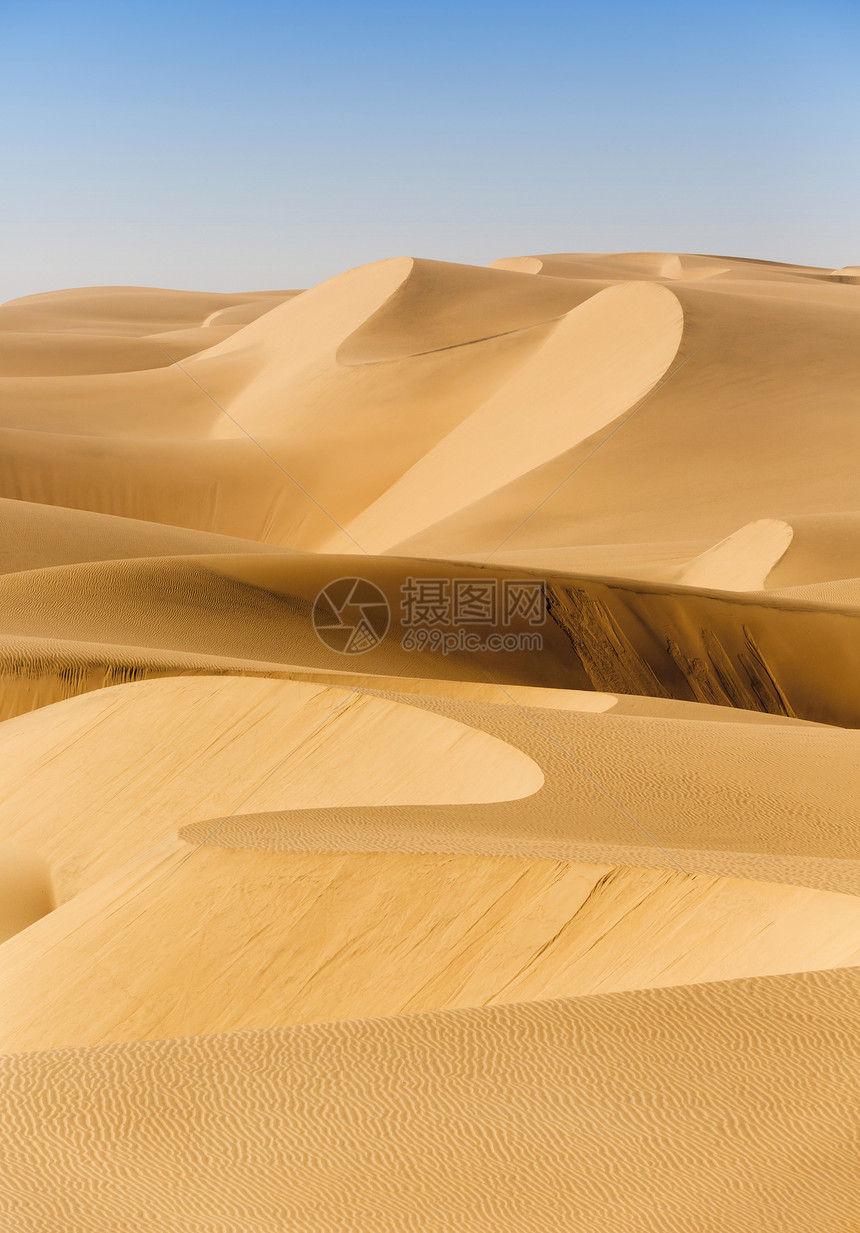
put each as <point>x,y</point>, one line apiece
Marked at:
<point>441,935</point>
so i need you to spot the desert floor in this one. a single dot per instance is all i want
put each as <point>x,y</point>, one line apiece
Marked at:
<point>429,752</point>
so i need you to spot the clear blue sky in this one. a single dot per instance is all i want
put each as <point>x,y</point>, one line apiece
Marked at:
<point>227,146</point>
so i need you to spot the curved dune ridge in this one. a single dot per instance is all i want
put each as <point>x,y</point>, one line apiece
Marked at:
<point>743,561</point>
<point>526,918</point>
<point>195,744</point>
<point>628,333</point>
<point>534,913</point>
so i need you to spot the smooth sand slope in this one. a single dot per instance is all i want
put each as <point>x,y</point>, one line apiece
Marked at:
<point>117,329</point>
<point>439,935</point>
<point>338,899</point>
<point>704,1107</point>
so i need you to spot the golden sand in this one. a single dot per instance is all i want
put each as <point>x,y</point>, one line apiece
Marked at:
<point>433,937</point>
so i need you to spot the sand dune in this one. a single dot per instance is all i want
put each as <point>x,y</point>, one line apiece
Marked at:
<point>117,329</point>
<point>731,648</point>
<point>848,274</point>
<point>393,358</point>
<point>554,925</point>
<point>200,745</point>
<point>843,593</point>
<point>698,1106</point>
<point>630,332</point>
<point>131,311</point>
<point>176,946</point>
<point>743,561</point>
<point>516,916</point>
<point>103,753</point>
<point>39,536</point>
<point>756,363</point>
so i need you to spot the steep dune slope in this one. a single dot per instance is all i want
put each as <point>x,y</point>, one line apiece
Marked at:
<point>740,407</point>
<point>598,363</point>
<point>743,561</point>
<point>172,938</point>
<point>95,781</point>
<point>176,945</point>
<point>746,650</point>
<point>388,360</point>
<point>279,380</point>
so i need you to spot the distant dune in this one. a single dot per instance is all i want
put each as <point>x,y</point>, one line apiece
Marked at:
<point>429,751</point>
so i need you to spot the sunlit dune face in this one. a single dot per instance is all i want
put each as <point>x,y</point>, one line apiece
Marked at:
<point>429,732</point>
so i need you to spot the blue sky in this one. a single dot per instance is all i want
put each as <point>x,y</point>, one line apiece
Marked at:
<point>272,145</point>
